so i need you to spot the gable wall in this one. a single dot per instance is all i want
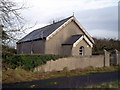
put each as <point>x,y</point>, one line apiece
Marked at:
<point>87,48</point>
<point>53,45</point>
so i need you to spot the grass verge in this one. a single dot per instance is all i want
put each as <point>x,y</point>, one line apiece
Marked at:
<point>115,84</point>
<point>20,75</point>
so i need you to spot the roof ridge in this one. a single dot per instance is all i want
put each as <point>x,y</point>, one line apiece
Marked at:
<point>53,23</point>
<point>43,30</point>
<point>63,19</point>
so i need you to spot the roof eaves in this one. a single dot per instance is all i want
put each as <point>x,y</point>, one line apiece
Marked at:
<point>86,33</point>
<point>44,38</point>
<point>88,41</point>
<point>75,44</point>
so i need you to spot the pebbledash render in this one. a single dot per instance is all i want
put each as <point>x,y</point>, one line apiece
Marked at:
<point>65,37</point>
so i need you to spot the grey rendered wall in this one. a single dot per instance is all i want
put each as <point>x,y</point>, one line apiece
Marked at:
<point>87,49</point>
<point>35,47</point>
<point>24,48</point>
<point>19,48</point>
<point>38,46</point>
<point>67,50</point>
<point>53,45</point>
<point>72,63</point>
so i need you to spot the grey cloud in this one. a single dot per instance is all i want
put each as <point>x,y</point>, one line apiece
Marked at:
<point>104,18</point>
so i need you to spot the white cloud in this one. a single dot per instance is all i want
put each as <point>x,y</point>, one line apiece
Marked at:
<point>101,33</point>
<point>46,8</point>
<point>104,18</point>
<point>43,11</point>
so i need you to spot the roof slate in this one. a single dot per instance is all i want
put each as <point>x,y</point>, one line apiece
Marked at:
<point>72,39</point>
<point>43,32</point>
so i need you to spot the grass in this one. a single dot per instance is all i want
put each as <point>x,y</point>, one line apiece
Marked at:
<point>17,75</point>
<point>85,71</point>
<point>20,75</point>
<point>115,84</point>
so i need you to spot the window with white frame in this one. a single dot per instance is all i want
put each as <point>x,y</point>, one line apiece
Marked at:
<point>81,51</point>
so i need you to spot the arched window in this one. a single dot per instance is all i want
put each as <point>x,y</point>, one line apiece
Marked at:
<point>81,51</point>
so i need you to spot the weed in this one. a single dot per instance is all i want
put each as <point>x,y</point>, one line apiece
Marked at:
<point>65,69</point>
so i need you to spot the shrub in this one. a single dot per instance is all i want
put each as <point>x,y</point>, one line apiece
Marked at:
<point>28,62</point>
<point>107,44</point>
<point>7,51</point>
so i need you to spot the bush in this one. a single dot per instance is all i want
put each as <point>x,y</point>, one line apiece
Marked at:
<point>107,44</point>
<point>7,51</point>
<point>28,62</point>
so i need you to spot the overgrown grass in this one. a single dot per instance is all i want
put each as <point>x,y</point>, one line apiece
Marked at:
<point>20,75</point>
<point>86,71</point>
<point>17,75</point>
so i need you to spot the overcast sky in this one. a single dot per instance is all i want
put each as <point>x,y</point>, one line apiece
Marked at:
<point>98,17</point>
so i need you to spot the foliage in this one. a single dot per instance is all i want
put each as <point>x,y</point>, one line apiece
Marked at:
<point>28,62</point>
<point>7,51</point>
<point>11,21</point>
<point>3,34</point>
<point>107,44</point>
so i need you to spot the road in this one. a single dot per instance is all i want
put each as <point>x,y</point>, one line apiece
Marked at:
<point>68,82</point>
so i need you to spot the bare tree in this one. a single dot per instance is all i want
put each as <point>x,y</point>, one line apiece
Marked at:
<point>11,19</point>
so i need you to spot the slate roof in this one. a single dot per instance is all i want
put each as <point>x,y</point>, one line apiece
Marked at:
<point>72,39</point>
<point>43,32</point>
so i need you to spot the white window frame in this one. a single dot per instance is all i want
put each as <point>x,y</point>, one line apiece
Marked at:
<point>81,51</point>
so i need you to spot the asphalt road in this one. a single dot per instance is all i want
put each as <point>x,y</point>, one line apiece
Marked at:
<point>68,82</point>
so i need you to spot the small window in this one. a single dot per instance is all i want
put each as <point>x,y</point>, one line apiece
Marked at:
<point>81,51</point>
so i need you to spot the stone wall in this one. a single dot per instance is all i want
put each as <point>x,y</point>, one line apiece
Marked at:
<point>76,62</point>
<point>73,63</point>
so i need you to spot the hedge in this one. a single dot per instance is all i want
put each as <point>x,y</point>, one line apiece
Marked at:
<point>28,62</point>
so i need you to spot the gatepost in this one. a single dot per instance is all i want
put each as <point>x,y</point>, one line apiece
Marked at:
<point>106,58</point>
<point>116,56</point>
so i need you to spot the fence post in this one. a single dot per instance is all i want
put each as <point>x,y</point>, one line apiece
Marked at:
<point>116,56</point>
<point>106,58</point>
